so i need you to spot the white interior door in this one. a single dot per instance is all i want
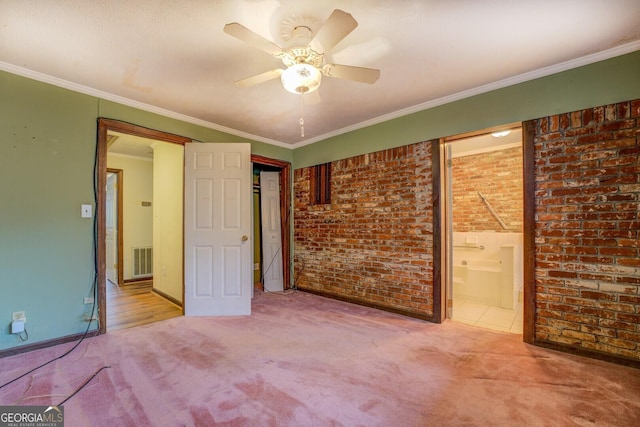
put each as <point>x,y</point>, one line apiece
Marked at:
<point>271,236</point>
<point>111,220</point>
<point>217,222</point>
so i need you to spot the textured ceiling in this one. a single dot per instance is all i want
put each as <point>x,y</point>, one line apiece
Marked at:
<point>173,57</point>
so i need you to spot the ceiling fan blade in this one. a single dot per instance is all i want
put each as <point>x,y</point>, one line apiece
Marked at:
<point>337,26</point>
<point>246,35</point>
<point>259,78</point>
<point>348,72</point>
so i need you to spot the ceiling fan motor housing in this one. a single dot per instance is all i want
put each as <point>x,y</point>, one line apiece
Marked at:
<point>303,64</point>
<point>297,49</point>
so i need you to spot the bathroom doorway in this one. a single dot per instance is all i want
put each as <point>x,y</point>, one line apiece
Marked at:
<point>483,228</point>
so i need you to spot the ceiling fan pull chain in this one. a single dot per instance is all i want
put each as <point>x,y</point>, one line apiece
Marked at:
<point>301,115</point>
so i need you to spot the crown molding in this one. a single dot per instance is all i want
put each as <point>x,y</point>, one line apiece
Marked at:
<point>520,78</point>
<point>510,81</point>
<point>55,81</point>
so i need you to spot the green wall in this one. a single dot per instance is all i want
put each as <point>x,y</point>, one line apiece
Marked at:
<point>47,143</point>
<point>601,83</point>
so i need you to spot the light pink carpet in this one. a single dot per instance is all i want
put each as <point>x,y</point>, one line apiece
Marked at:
<point>304,360</point>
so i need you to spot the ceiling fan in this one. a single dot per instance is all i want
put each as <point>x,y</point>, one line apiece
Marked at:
<point>303,55</point>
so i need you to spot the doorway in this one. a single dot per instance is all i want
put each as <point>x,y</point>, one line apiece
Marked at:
<point>281,256</point>
<point>144,269</point>
<point>482,196</point>
<point>267,251</point>
<point>108,125</point>
<point>113,218</point>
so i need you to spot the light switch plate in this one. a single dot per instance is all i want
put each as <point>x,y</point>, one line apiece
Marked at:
<point>19,316</point>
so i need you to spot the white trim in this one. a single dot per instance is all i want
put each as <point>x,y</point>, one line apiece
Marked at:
<point>531,75</point>
<point>520,78</point>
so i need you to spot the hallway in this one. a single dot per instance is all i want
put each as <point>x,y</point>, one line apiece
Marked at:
<point>136,304</point>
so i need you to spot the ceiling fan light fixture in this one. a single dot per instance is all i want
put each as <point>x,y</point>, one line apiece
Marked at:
<point>301,78</point>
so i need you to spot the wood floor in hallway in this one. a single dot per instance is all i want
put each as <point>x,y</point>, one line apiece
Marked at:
<point>136,304</point>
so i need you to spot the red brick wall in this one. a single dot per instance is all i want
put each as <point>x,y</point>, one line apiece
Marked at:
<point>586,235</point>
<point>498,176</point>
<point>373,244</point>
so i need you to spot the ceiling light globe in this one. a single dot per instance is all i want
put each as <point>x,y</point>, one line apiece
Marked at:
<point>301,78</point>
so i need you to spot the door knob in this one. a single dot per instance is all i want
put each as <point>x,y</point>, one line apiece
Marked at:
<point>245,238</point>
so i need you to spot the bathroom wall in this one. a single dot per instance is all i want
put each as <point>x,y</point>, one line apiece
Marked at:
<point>485,270</point>
<point>498,176</point>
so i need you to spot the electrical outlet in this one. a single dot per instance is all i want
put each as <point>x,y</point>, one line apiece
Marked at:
<point>256,266</point>
<point>88,300</point>
<point>19,316</point>
<point>89,318</point>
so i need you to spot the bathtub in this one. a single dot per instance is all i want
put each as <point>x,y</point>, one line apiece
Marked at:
<point>485,277</point>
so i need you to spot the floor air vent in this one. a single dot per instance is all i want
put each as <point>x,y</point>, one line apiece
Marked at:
<point>142,262</point>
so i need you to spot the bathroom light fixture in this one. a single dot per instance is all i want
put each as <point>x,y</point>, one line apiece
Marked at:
<point>501,134</point>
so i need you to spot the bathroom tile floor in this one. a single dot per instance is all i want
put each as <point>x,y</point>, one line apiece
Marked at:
<point>488,317</point>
